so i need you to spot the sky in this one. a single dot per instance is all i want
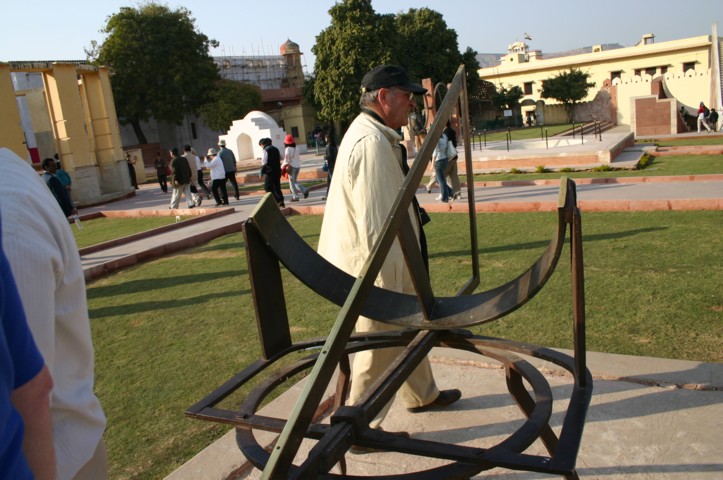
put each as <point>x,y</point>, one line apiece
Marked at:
<point>60,30</point>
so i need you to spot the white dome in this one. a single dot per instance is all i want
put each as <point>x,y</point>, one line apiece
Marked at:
<point>261,119</point>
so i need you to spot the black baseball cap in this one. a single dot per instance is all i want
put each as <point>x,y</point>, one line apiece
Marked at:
<point>386,76</point>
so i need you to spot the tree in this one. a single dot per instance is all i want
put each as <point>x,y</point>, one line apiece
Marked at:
<point>507,98</point>
<point>358,39</point>
<point>307,92</point>
<point>160,63</point>
<point>230,101</point>
<point>426,46</point>
<point>352,45</point>
<point>471,68</point>
<point>568,88</point>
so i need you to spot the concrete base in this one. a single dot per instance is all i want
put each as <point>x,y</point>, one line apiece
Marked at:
<point>648,419</point>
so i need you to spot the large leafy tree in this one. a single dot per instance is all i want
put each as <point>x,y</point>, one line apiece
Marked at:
<point>471,68</point>
<point>160,63</point>
<point>359,39</point>
<point>568,88</point>
<point>230,101</point>
<point>426,46</point>
<point>353,44</point>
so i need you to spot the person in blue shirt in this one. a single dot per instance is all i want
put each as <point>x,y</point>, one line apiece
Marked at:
<point>26,438</point>
<point>56,186</point>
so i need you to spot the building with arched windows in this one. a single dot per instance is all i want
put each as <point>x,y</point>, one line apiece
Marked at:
<point>649,86</point>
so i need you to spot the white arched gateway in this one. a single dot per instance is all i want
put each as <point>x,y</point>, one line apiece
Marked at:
<point>244,135</point>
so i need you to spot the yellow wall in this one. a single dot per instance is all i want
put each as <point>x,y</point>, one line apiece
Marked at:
<point>599,65</point>
<point>301,117</point>
<point>11,132</point>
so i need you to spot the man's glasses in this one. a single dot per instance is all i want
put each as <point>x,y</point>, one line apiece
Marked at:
<point>411,94</point>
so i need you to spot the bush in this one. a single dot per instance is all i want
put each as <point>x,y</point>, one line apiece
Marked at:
<point>603,168</point>
<point>515,171</point>
<point>566,170</point>
<point>644,162</point>
<point>541,169</point>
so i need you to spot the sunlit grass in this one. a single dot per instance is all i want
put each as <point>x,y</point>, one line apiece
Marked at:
<point>169,331</point>
<point>99,230</point>
<point>660,166</point>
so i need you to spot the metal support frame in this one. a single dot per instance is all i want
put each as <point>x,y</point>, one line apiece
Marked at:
<point>431,322</point>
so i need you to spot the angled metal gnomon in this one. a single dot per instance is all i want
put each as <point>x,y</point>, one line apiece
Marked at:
<point>332,351</point>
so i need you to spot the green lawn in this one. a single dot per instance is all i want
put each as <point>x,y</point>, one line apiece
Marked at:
<point>660,166</point>
<point>522,133</point>
<point>169,331</point>
<point>101,230</point>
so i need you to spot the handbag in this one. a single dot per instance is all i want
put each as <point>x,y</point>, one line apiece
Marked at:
<point>325,167</point>
<point>451,151</point>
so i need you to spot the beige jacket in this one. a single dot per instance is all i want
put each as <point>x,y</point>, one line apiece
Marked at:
<point>366,181</point>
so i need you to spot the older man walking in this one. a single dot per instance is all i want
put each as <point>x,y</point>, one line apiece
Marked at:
<point>370,169</point>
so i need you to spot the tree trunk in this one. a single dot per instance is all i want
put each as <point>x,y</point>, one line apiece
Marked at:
<point>570,111</point>
<point>139,133</point>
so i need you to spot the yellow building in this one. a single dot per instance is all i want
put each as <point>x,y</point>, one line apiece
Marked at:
<point>65,108</point>
<point>688,69</point>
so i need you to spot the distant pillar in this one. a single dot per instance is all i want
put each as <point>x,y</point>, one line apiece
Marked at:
<point>104,133</point>
<point>11,130</point>
<point>102,116</point>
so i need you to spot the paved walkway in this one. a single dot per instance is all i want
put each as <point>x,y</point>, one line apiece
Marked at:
<point>649,418</point>
<point>643,193</point>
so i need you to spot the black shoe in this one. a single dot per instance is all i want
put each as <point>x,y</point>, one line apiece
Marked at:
<point>306,194</point>
<point>236,197</point>
<point>444,399</point>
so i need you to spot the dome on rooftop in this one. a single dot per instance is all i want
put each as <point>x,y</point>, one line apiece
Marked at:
<point>289,47</point>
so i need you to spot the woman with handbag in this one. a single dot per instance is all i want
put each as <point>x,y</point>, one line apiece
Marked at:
<point>292,159</point>
<point>440,158</point>
<point>451,173</point>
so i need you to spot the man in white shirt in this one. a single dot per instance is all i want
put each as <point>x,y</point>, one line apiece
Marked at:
<point>191,157</point>
<point>218,177</point>
<point>47,269</point>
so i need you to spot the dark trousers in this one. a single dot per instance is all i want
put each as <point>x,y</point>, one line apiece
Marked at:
<point>132,173</point>
<point>202,183</point>
<point>272,184</point>
<point>217,185</point>
<point>329,173</point>
<point>163,181</point>
<point>231,177</point>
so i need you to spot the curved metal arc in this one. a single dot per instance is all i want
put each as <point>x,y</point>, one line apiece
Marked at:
<point>402,309</point>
